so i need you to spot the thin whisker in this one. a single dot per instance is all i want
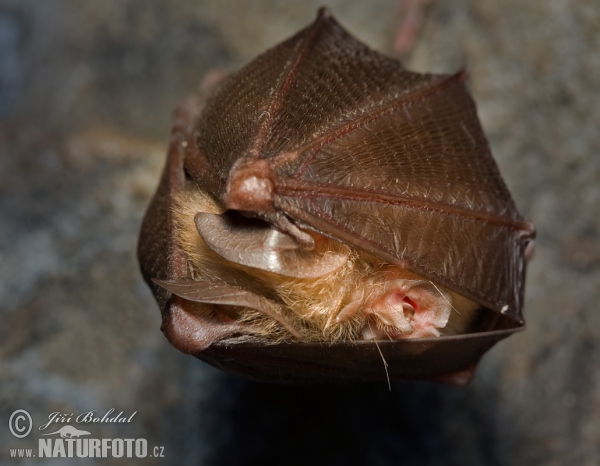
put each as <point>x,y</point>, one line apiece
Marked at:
<point>385,366</point>
<point>442,294</point>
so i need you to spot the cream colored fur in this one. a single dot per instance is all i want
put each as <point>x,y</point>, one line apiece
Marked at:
<point>311,305</point>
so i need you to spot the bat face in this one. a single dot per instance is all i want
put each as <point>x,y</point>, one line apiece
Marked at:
<point>327,214</point>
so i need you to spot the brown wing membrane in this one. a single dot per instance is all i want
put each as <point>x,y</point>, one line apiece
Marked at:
<point>392,162</point>
<point>418,187</point>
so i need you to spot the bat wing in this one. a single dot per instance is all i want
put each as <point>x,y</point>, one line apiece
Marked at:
<point>353,146</point>
<point>392,162</point>
<point>413,182</point>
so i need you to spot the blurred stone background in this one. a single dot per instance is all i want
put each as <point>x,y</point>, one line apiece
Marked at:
<point>86,91</point>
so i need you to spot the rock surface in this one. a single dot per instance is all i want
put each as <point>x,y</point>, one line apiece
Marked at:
<point>86,91</point>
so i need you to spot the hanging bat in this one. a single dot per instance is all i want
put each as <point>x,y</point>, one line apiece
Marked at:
<point>326,214</point>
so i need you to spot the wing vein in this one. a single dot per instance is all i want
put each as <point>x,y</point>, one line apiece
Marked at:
<point>369,116</point>
<point>313,190</point>
<point>284,84</point>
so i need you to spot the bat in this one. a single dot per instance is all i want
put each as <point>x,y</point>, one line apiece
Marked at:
<point>325,214</point>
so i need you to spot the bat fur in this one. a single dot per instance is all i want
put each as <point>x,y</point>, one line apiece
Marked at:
<point>312,305</point>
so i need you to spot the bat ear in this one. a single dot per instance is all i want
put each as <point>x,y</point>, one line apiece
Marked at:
<point>255,243</point>
<point>225,295</point>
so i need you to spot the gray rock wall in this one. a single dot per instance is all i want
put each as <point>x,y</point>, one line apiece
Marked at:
<point>86,90</point>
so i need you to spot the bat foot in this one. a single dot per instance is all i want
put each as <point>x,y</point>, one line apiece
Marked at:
<point>412,14</point>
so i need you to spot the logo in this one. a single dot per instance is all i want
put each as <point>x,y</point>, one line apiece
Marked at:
<point>67,441</point>
<point>69,432</point>
<point>20,423</point>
